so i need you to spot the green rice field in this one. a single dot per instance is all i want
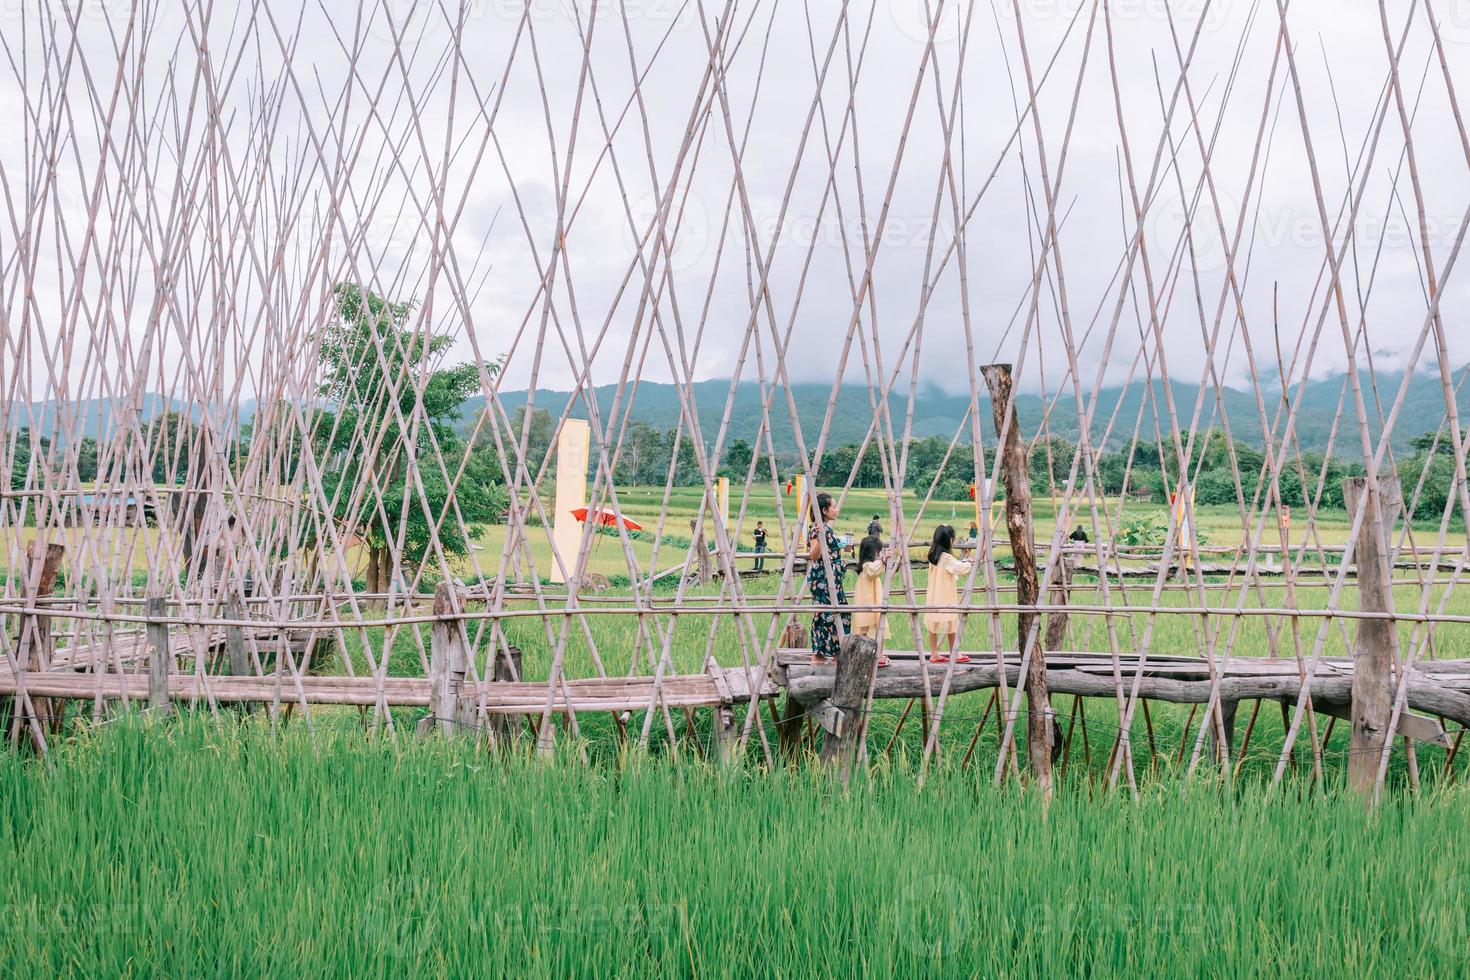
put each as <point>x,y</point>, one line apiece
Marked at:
<point>334,842</point>
<point>179,849</point>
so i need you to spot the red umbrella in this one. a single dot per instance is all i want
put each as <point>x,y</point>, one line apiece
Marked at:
<point>607,519</point>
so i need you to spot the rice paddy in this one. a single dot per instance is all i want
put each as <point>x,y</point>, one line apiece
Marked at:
<point>180,848</point>
<point>327,842</point>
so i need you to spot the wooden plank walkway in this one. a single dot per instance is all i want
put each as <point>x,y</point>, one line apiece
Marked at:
<point>1437,687</point>
<point>501,697</point>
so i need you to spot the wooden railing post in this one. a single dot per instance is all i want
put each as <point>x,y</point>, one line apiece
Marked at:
<point>1017,481</point>
<point>448,662</point>
<point>34,643</point>
<point>1375,647</point>
<point>702,569</point>
<point>789,724</point>
<point>506,670</point>
<point>159,666</point>
<point>844,715</point>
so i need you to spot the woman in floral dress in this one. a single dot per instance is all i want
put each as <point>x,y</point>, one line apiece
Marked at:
<point>826,638</point>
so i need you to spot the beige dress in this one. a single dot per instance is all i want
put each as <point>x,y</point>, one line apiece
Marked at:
<point>869,593</point>
<point>944,591</point>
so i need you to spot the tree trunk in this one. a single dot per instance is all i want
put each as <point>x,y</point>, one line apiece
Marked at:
<point>1017,483</point>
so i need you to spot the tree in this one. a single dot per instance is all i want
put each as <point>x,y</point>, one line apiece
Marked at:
<point>738,456</point>
<point>87,459</point>
<point>538,439</point>
<point>28,445</point>
<point>169,438</point>
<point>380,430</point>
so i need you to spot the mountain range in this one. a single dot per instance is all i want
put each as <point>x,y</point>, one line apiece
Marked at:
<point>936,412</point>
<point>1117,414</point>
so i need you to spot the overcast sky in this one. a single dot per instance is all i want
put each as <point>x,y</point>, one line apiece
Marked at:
<point>248,174</point>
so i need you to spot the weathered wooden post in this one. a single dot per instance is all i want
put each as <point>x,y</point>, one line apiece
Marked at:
<point>1061,591</point>
<point>34,643</point>
<point>507,669</point>
<point>842,715</point>
<point>702,568</point>
<point>1375,647</point>
<point>159,666</point>
<point>788,726</point>
<point>448,662</point>
<point>1017,483</point>
<point>235,637</point>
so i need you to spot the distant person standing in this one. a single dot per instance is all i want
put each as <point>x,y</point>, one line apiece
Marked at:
<point>875,529</point>
<point>973,531</point>
<point>1078,535</point>
<point>760,546</point>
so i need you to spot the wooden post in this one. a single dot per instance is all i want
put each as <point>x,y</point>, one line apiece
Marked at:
<point>235,638</point>
<point>726,734</point>
<point>842,716</point>
<point>448,661</point>
<point>159,666</point>
<point>1061,590</point>
<point>507,668</point>
<point>34,644</point>
<point>788,726</point>
<point>702,570</point>
<point>239,657</point>
<point>1017,482</point>
<point>1375,648</point>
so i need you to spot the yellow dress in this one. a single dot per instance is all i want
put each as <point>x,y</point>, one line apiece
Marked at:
<point>944,590</point>
<point>869,593</point>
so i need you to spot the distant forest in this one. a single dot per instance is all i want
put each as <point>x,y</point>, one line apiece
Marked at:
<point>654,454</point>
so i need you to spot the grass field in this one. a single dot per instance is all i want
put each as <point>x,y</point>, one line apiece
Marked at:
<point>176,849</point>
<point>202,845</point>
<point>133,549</point>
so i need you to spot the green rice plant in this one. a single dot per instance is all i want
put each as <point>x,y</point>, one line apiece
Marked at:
<point>186,849</point>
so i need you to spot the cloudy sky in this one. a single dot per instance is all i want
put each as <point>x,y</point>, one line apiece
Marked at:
<point>573,182</point>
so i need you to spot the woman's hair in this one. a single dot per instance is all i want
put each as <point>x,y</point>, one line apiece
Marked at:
<point>941,543</point>
<point>869,549</point>
<point>824,500</point>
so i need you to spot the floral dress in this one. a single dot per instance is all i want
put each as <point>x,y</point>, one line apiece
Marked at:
<point>825,639</point>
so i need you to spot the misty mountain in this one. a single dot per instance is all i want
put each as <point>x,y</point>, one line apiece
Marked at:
<point>1120,412</point>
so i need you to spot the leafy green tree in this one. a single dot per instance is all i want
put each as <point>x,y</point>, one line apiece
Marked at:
<point>169,438</point>
<point>26,446</point>
<point>87,459</point>
<point>738,456</point>
<point>381,429</point>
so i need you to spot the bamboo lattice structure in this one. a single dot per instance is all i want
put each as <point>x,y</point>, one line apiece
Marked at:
<point>216,489</point>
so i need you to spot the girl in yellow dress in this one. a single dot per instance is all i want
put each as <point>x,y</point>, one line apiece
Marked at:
<point>872,566</point>
<point>944,572</point>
